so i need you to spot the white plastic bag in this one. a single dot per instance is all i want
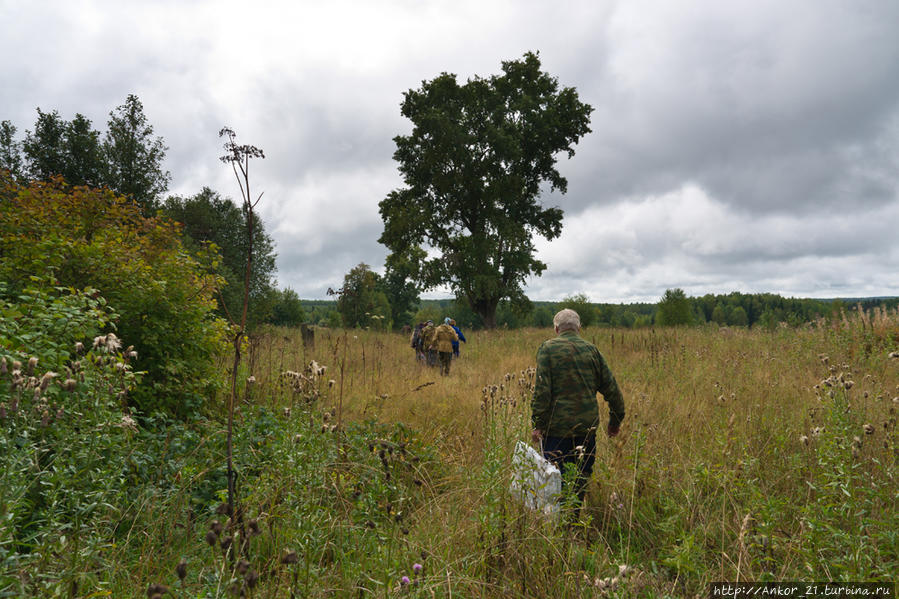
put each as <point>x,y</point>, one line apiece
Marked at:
<point>535,481</point>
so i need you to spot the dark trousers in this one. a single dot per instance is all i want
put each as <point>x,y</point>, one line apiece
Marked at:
<point>446,358</point>
<point>579,451</point>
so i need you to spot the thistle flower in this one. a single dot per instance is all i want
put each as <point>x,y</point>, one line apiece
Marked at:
<point>216,527</point>
<point>252,577</point>
<point>251,380</point>
<point>253,527</point>
<point>47,379</point>
<point>113,343</point>
<point>289,557</point>
<point>243,566</point>
<point>405,581</point>
<point>127,422</point>
<point>79,347</point>
<point>803,439</point>
<point>157,590</point>
<point>3,367</point>
<point>32,364</point>
<point>211,538</point>
<point>181,569</point>
<point>869,430</point>
<point>416,567</point>
<point>69,385</point>
<point>226,542</point>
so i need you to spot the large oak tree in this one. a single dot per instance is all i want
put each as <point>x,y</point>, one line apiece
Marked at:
<point>473,167</point>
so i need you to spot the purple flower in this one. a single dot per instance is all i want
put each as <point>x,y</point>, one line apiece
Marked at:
<point>404,580</point>
<point>416,568</point>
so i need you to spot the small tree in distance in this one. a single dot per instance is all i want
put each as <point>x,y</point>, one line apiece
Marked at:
<point>580,303</point>
<point>674,309</point>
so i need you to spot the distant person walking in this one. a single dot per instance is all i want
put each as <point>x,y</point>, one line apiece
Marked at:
<point>417,342</point>
<point>443,340</point>
<point>564,408</point>
<point>427,342</point>
<point>452,323</point>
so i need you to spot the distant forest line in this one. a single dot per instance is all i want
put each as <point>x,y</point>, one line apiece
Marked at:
<point>732,309</point>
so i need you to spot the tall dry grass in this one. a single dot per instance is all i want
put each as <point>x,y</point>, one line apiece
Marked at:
<point>745,455</point>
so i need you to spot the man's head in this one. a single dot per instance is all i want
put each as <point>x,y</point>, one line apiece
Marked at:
<point>447,320</point>
<point>567,320</point>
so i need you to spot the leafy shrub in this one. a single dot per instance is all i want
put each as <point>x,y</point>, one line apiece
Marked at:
<point>63,439</point>
<point>163,296</point>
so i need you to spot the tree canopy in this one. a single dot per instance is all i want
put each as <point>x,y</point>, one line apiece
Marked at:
<point>127,159</point>
<point>134,156</point>
<point>473,167</point>
<point>207,217</point>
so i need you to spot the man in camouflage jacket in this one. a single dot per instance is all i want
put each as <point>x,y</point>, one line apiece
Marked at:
<point>564,409</point>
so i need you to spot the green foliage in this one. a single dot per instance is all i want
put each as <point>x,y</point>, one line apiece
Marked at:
<point>163,296</point>
<point>580,303</point>
<point>288,310</point>
<point>10,151</point>
<point>134,157</point>
<point>45,151</point>
<point>128,160</point>
<point>473,167</point>
<point>674,309</point>
<point>402,294</point>
<point>360,301</point>
<point>208,218</point>
<point>63,439</point>
<point>67,148</point>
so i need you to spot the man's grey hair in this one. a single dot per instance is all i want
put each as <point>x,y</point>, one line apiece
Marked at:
<point>567,320</point>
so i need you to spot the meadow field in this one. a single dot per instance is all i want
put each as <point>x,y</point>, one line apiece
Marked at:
<point>746,455</point>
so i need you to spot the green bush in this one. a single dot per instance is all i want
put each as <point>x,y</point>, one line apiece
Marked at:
<point>163,296</point>
<point>63,438</point>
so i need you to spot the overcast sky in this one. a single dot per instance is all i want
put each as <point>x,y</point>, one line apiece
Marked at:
<point>736,146</point>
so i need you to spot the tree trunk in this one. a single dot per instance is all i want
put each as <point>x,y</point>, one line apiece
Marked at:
<point>486,309</point>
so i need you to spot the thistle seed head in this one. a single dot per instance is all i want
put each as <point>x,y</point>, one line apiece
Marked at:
<point>251,577</point>
<point>181,569</point>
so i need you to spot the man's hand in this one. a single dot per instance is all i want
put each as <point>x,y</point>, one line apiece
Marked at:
<point>536,436</point>
<point>613,430</point>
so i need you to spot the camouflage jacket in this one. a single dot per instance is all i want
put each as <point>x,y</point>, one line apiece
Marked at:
<point>569,373</point>
<point>427,336</point>
<point>444,337</point>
